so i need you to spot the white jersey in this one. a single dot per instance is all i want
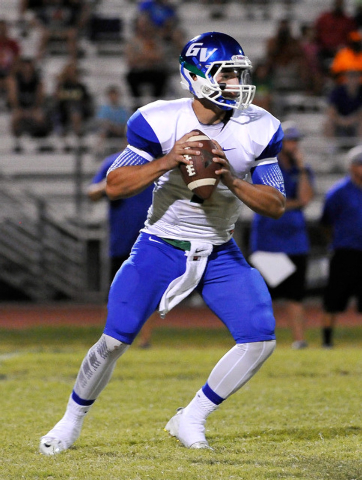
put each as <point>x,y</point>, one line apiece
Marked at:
<point>250,138</point>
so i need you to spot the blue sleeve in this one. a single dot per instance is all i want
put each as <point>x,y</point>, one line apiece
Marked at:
<point>269,174</point>
<point>274,146</point>
<point>141,135</point>
<point>103,169</point>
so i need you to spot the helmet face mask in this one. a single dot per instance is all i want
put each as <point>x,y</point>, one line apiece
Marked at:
<point>208,62</point>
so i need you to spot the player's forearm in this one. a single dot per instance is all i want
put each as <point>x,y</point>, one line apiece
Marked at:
<point>262,199</point>
<point>125,182</point>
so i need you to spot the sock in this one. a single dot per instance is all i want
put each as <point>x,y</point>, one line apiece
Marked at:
<point>76,410</point>
<point>200,406</point>
<point>68,429</point>
<point>192,421</point>
<point>327,333</point>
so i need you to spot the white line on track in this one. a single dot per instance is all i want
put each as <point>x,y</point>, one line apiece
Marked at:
<point>6,356</point>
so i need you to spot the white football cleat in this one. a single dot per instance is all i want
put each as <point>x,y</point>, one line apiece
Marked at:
<point>189,432</point>
<point>62,436</point>
<point>50,446</point>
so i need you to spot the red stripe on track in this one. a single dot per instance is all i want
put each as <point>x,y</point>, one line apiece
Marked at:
<point>17,316</point>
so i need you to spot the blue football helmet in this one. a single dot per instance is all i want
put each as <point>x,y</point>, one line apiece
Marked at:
<point>206,56</point>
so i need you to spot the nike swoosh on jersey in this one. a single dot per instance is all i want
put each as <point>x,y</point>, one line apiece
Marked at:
<point>228,149</point>
<point>153,240</point>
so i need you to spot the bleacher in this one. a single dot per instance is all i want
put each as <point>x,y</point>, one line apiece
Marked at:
<point>61,179</point>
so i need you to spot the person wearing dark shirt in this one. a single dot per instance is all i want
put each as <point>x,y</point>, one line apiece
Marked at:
<point>332,29</point>
<point>289,233</point>
<point>286,60</point>
<point>27,102</point>
<point>344,111</point>
<point>61,20</point>
<point>342,221</point>
<point>73,101</point>
<point>144,54</point>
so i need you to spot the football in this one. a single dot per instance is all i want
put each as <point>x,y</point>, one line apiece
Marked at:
<point>200,175</point>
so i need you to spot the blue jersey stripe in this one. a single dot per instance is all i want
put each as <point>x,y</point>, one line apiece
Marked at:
<point>274,146</point>
<point>141,135</point>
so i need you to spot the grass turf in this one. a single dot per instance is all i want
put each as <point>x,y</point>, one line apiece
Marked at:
<point>299,417</point>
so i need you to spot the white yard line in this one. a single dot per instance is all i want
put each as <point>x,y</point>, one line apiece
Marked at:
<point>6,356</point>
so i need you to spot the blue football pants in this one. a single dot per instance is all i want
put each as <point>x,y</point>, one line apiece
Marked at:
<point>230,287</point>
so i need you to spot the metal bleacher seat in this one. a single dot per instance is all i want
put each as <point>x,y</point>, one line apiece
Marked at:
<point>55,177</point>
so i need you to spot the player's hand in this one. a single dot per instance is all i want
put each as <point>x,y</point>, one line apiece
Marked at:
<point>225,170</point>
<point>181,150</point>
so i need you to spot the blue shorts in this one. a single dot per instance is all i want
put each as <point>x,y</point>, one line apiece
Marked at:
<point>230,287</point>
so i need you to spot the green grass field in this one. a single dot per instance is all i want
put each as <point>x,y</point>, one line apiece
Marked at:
<point>299,417</point>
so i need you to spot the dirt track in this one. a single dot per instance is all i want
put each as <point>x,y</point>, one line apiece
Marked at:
<point>15,316</point>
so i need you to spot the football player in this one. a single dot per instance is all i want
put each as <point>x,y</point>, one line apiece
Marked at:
<point>187,243</point>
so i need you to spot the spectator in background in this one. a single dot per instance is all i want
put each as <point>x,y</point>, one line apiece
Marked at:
<point>145,56</point>
<point>126,217</point>
<point>316,80</point>
<point>61,20</point>
<point>286,60</point>
<point>262,80</point>
<point>289,234</point>
<point>160,12</point>
<point>112,118</point>
<point>344,111</point>
<point>27,102</point>
<point>9,55</point>
<point>73,102</point>
<point>342,220</point>
<point>332,30</point>
<point>163,16</point>
<point>348,58</point>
